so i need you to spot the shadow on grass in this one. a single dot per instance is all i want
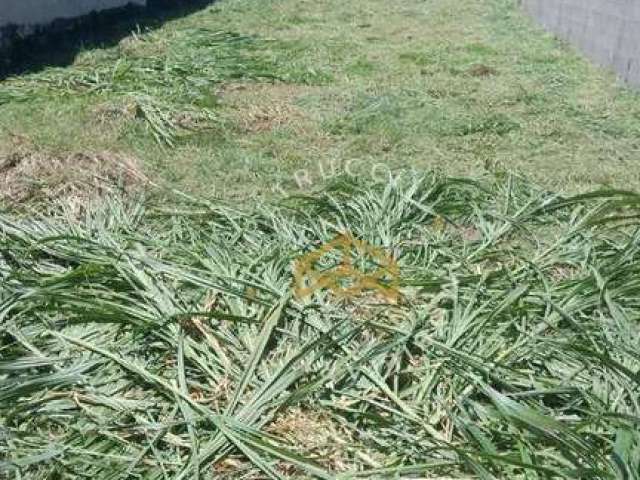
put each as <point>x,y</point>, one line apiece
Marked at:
<point>58,44</point>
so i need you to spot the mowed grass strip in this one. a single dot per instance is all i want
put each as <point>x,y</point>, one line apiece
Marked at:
<point>232,101</point>
<point>140,341</point>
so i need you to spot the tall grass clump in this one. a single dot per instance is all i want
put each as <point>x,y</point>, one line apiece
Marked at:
<point>148,341</point>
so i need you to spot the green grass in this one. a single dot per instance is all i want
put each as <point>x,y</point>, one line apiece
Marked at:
<point>471,90</point>
<point>140,341</point>
<point>160,337</point>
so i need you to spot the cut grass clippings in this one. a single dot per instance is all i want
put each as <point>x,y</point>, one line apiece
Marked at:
<point>147,341</point>
<point>170,84</point>
<point>30,178</point>
<point>161,337</point>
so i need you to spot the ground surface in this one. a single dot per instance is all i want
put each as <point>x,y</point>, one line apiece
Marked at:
<point>426,327</point>
<point>235,99</point>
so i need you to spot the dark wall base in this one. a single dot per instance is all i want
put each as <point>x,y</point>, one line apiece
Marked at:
<point>58,43</point>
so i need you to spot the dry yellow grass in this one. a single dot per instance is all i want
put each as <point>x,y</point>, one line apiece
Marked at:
<point>77,178</point>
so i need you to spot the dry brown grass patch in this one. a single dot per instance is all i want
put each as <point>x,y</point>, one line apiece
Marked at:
<point>109,112</point>
<point>30,176</point>
<point>563,272</point>
<point>263,108</point>
<point>482,71</point>
<point>314,434</point>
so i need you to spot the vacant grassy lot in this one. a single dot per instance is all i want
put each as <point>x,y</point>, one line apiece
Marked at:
<point>160,336</point>
<point>235,99</point>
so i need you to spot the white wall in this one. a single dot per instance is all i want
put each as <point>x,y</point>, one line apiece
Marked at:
<point>608,31</point>
<point>27,14</point>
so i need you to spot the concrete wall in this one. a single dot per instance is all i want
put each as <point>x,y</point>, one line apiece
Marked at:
<point>608,31</point>
<point>25,16</point>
